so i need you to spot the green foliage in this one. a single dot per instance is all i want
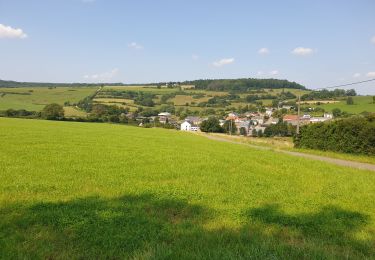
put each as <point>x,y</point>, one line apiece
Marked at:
<point>229,127</point>
<point>351,135</point>
<point>328,94</point>
<point>349,101</point>
<point>279,129</point>
<point>20,113</point>
<point>242,85</point>
<point>336,112</point>
<point>53,112</point>
<point>211,125</point>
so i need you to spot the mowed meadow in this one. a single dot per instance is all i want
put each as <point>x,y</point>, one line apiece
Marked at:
<point>87,191</point>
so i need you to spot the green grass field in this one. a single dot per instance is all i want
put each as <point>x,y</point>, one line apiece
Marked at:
<point>361,104</point>
<point>34,99</point>
<point>100,191</point>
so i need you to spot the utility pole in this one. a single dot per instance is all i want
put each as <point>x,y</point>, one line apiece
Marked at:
<point>299,111</point>
<point>230,126</point>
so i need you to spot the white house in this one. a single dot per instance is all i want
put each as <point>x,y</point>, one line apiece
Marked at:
<point>188,126</point>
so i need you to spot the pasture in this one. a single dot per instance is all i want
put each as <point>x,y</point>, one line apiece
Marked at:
<point>34,99</point>
<point>85,190</point>
<point>361,104</point>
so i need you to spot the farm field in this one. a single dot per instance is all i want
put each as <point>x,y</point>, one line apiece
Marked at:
<point>34,99</point>
<point>86,190</point>
<point>361,104</point>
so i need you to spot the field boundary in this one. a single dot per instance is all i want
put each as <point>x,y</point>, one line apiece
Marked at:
<point>340,162</point>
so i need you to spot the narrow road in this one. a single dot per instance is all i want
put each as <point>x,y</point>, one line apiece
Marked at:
<point>358,165</point>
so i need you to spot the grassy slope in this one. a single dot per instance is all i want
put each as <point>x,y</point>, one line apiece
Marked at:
<point>361,104</point>
<point>42,96</point>
<point>81,190</point>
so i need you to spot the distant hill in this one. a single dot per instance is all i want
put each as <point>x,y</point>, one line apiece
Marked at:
<point>207,84</point>
<point>16,84</point>
<point>242,84</point>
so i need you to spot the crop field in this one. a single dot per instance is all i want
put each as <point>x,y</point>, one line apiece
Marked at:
<point>74,112</point>
<point>361,104</point>
<point>34,99</point>
<point>102,191</point>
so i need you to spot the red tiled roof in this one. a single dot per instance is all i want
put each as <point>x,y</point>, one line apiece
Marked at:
<point>290,117</point>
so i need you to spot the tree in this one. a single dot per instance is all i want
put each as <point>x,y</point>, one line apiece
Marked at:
<point>211,125</point>
<point>349,101</point>
<point>53,111</point>
<point>254,133</point>
<point>336,112</point>
<point>230,127</point>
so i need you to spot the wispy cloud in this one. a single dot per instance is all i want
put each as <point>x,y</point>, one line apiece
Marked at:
<point>195,57</point>
<point>302,51</point>
<point>373,39</point>
<point>11,33</point>
<point>135,46</point>
<point>274,72</point>
<point>263,51</point>
<point>371,74</point>
<point>102,77</point>
<point>223,62</point>
<point>356,75</point>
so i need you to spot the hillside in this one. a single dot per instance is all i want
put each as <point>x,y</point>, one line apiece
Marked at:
<point>85,190</point>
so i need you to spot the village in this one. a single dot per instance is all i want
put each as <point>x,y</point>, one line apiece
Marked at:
<point>247,124</point>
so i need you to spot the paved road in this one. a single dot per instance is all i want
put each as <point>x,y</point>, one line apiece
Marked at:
<point>358,165</point>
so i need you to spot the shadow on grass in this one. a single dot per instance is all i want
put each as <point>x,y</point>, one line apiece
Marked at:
<point>145,227</point>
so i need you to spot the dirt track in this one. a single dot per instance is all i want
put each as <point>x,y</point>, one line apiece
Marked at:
<point>358,165</point>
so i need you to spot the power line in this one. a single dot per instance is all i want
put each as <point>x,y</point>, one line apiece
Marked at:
<point>348,84</point>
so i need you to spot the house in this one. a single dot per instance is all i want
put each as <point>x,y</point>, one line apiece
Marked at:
<point>257,129</point>
<point>257,120</point>
<point>188,126</point>
<point>194,119</point>
<point>164,117</point>
<point>324,118</point>
<point>293,119</point>
<point>271,121</point>
<point>269,112</point>
<point>243,124</point>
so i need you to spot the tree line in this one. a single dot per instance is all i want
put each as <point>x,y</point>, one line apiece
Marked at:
<point>242,85</point>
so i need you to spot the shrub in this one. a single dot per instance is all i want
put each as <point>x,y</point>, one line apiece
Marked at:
<point>349,135</point>
<point>53,112</point>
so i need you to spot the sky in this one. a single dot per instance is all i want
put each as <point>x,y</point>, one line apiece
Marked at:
<point>316,43</point>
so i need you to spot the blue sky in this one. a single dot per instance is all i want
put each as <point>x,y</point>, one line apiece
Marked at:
<point>315,43</point>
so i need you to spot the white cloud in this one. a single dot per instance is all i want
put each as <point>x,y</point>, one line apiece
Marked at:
<point>263,51</point>
<point>274,72</point>
<point>135,45</point>
<point>260,73</point>
<point>102,77</point>
<point>302,51</point>
<point>356,75</point>
<point>12,33</point>
<point>373,39</point>
<point>223,62</point>
<point>195,57</point>
<point>371,74</point>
